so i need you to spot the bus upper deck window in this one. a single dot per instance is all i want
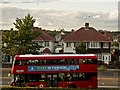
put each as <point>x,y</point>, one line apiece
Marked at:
<point>42,62</point>
<point>76,61</point>
<point>81,61</point>
<point>16,62</point>
<point>19,62</point>
<point>70,61</point>
<point>32,62</point>
<point>94,61</point>
<point>61,61</point>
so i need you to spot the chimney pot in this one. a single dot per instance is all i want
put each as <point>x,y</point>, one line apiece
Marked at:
<point>86,26</point>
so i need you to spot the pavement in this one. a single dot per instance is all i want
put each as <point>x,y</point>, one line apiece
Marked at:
<point>108,86</point>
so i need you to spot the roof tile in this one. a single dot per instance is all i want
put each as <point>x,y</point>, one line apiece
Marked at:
<point>86,35</point>
<point>43,36</point>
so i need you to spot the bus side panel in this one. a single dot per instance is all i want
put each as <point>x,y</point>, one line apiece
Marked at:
<point>37,84</point>
<point>79,84</point>
<point>24,69</point>
<point>63,84</point>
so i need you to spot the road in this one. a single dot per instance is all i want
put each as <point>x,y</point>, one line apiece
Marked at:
<point>105,79</point>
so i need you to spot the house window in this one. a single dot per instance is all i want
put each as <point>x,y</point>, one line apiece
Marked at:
<point>94,45</point>
<point>105,45</point>
<point>68,44</point>
<point>76,44</point>
<point>39,42</point>
<point>46,43</point>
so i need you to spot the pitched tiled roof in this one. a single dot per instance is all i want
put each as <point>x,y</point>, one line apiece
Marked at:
<point>109,36</point>
<point>118,36</point>
<point>43,36</point>
<point>86,35</point>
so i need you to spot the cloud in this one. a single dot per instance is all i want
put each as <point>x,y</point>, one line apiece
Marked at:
<point>113,15</point>
<point>27,1</point>
<point>90,0</point>
<point>96,16</point>
<point>53,19</point>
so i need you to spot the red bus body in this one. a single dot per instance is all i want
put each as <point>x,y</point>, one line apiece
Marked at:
<point>83,68</point>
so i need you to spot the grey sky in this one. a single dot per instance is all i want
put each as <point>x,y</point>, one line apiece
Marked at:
<point>57,14</point>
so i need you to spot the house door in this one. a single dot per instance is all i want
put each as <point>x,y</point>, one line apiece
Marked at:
<point>52,80</point>
<point>106,59</point>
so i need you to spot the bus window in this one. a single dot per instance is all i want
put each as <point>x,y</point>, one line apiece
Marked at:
<point>52,61</point>
<point>84,76</point>
<point>81,76</point>
<point>17,78</point>
<point>36,62</point>
<point>42,62</point>
<point>76,61</point>
<point>23,78</point>
<point>69,76</point>
<point>32,62</point>
<point>75,76</point>
<point>42,77</point>
<point>70,61</point>
<point>81,61</point>
<point>17,62</point>
<point>23,62</point>
<point>31,77</point>
<point>62,77</point>
<point>85,61</point>
<point>89,61</point>
<point>61,61</point>
<point>20,62</point>
<point>94,61</point>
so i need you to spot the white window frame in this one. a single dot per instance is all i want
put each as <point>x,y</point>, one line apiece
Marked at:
<point>105,45</point>
<point>94,45</point>
<point>47,44</point>
<point>68,44</point>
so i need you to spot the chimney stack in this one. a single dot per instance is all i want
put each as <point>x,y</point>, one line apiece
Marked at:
<point>87,26</point>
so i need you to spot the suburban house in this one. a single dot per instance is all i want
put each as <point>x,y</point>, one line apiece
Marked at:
<point>109,35</point>
<point>59,42</point>
<point>44,40</point>
<point>96,43</point>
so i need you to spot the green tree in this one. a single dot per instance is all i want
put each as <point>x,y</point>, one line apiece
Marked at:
<point>20,42</point>
<point>115,43</point>
<point>24,23</point>
<point>81,48</point>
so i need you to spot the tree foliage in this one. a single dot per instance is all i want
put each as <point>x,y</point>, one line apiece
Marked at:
<point>81,48</point>
<point>115,43</point>
<point>20,42</point>
<point>24,23</point>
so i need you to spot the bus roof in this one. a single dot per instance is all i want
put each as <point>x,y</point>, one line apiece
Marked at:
<point>56,55</point>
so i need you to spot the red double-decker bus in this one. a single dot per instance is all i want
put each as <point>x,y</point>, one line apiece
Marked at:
<point>73,71</point>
